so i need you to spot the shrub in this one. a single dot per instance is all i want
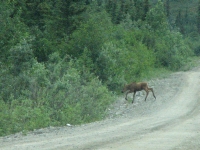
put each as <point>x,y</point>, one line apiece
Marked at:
<point>92,34</point>
<point>26,117</point>
<point>57,93</point>
<point>172,51</point>
<point>74,97</point>
<point>127,61</point>
<point>5,119</point>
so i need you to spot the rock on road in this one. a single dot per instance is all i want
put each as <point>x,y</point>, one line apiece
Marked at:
<point>171,122</point>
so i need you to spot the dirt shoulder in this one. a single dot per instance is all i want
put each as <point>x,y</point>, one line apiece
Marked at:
<point>169,122</point>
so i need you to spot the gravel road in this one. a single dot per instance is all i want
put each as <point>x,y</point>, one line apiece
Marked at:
<point>171,122</point>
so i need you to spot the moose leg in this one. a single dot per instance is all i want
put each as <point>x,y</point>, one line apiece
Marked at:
<point>127,94</point>
<point>133,97</point>
<point>147,93</point>
<point>151,89</point>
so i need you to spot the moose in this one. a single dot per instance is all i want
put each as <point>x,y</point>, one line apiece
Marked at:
<point>134,87</point>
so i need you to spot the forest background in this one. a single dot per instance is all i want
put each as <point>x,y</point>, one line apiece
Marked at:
<point>65,61</point>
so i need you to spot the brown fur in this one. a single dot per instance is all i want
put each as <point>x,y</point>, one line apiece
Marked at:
<point>134,87</point>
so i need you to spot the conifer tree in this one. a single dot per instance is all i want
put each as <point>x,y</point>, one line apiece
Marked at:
<point>186,19</point>
<point>198,17</point>
<point>146,9</point>
<point>139,9</point>
<point>156,17</point>
<point>167,8</point>
<point>179,22</point>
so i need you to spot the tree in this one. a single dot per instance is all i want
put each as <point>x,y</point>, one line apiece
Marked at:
<point>91,35</point>
<point>167,8</point>
<point>179,22</point>
<point>12,30</point>
<point>198,17</point>
<point>156,17</point>
<point>186,18</point>
<point>146,8</point>
<point>139,9</point>
<point>50,22</point>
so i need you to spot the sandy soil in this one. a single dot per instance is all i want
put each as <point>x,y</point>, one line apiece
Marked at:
<point>171,122</point>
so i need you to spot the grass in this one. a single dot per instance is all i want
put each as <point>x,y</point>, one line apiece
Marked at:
<point>156,73</point>
<point>163,72</point>
<point>192,63</point>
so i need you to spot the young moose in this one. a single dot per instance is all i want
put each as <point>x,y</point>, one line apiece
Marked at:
<point>134,87</point>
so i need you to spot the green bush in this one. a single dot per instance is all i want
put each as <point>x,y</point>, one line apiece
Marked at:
<point>74,94</point>
<point>15,74</point>
<point>128,61</point>
<point>92,34</point>
<point>5,119</point>
<point>58,92</point>
<point>172,51</point>
<point>26,117</point>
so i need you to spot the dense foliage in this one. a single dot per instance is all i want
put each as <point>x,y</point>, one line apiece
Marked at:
<point>62,61</point>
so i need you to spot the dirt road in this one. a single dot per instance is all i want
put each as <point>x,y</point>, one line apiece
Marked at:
<point>171,122</point>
